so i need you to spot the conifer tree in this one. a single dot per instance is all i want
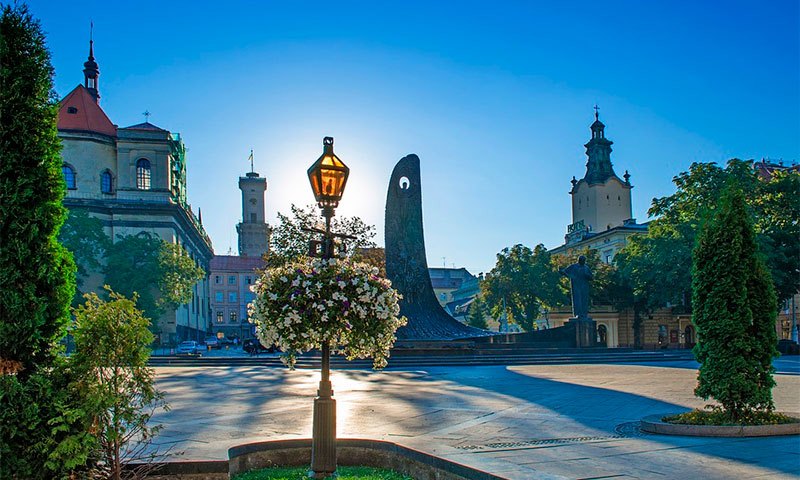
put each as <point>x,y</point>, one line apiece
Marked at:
<point>734,312</point>
<point>36,272</point>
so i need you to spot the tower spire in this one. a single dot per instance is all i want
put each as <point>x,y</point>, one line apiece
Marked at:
<point>90,69</point>
<point>598,166</point>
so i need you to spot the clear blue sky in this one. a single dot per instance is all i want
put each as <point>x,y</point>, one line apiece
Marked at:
<point>495,97</point>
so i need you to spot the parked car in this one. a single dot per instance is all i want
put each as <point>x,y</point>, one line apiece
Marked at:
<point>212,342</point>
<point>189,347</point>
<point>254,347</point>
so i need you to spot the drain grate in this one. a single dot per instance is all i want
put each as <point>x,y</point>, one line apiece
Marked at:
<point>623,430</point>
<point>630,429</point>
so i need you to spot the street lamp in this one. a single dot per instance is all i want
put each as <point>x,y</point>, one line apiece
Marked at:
<point>328,177</point>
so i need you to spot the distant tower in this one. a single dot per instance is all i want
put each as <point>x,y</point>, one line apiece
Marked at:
<point>253,230</point>
<point>600,200</point>
<point>91,71</point>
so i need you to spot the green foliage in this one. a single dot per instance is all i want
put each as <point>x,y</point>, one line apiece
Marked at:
<point>342,473</point>
<point>83,235</point>
<point>42,426</point>
<point>290,238</point>
<point>112,341</point>
<point>523,280</point>
<point>659,262</point>
<point>718,416</point>
<point>178,274</point>
<point>477,314</point>
<point>36,273</point>
<point>601,290</point>
<point>132,268</point>
<point>734,311</point>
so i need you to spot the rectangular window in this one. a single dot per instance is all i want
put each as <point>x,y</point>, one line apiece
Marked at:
<point>233,317</point>
<point>217,279</point>
<point>231,297</point>
<point>248,280</point>
<point>218,297</point>
<point>232,280</point>
<point>220,317</point>
<point>253,218</point>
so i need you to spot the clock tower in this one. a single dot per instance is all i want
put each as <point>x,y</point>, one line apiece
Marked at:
<point>253,230</point>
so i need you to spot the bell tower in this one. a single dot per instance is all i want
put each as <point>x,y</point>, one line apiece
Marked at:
<point>600,200</point>
<point>253,230</point>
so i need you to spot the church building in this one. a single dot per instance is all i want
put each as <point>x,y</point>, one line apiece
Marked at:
<point>602,217</point>
<point>134,180</point>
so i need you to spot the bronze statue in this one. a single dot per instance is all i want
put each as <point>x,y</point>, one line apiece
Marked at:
<point>579,277</point>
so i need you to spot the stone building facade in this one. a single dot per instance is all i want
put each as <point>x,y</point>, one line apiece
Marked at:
<point>231,278</point>
<point>134,180</point>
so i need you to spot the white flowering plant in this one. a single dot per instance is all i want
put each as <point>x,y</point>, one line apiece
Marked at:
<point>309,301</point>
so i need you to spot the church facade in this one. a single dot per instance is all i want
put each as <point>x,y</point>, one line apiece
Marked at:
<point>134,180</point>
<point>602,220</point>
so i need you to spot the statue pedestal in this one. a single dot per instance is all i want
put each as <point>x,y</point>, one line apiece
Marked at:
<point>585,332</point>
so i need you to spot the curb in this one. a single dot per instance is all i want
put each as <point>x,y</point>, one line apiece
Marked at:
<point>653,424</point>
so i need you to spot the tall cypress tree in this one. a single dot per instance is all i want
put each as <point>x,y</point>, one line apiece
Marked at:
<point>36,272</point>
<point>734,311</point>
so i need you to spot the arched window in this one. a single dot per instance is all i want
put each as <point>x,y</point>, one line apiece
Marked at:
<point>143,174</point>
<point>106,182</point>
<point>69,177</point>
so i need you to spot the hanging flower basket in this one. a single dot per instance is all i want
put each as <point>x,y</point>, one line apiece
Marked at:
<point>310,301</point>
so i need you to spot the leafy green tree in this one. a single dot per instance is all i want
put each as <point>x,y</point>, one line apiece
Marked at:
<point>477,314</point>
<point>83,235</point>
<point>178,274</point>
<point>734,311</point>
<point>112,340</point>
<point>661,259</point>
<point>36,273</point>
<point>132,267</point>
<point>290,238</point>
<point>523,280</point>
<point>602,278</point>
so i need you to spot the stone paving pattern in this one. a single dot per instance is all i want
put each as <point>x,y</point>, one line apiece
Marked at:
<point>520,422</point>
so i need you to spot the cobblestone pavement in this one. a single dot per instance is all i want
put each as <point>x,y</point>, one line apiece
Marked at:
<point>520,422</point>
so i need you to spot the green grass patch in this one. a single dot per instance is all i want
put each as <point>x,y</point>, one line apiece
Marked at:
<point>343,473</point>
<point>719,417</point>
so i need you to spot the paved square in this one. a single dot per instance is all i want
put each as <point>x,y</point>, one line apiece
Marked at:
<point>520,422</point>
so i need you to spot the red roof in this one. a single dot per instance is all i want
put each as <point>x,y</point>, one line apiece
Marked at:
<point>79,111</point>
<point>232,263</point>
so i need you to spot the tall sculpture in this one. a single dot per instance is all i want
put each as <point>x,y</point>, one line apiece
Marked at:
<point>579,277</point>
<point>406,264</point>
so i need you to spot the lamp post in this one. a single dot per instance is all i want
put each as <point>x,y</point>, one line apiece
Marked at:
<point>328,177</point>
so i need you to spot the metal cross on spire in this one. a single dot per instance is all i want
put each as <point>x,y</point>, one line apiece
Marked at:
<point>146,114</point>
<point>596,112</point>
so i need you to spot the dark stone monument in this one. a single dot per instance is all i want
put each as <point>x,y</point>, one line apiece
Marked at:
<point>580,277</point>
<point>406,264</point>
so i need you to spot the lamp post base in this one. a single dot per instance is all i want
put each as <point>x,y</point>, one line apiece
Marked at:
<point>323,445</point>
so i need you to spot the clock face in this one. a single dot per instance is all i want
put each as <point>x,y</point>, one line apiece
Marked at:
<point>253,201</point>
